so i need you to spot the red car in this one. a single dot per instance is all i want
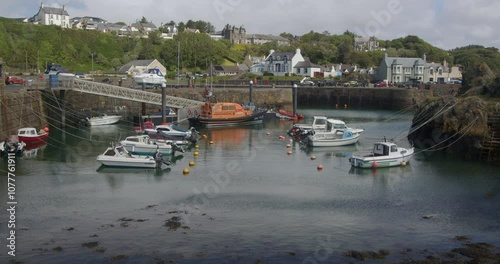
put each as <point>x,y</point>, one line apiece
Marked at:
<point>14,79</point>
<point>380,84</point>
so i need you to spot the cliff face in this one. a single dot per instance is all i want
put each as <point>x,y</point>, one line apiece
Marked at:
<point>453,125</point>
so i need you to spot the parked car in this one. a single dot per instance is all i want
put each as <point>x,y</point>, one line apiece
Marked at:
<point>351,84</point>
<point>14,79</point>
<point>380,84</point>
<point>307,83</point>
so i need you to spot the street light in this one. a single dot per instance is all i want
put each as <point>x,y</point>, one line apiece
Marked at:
<point>251,87</point>
<point>92,54</point>
<point>294,92</point>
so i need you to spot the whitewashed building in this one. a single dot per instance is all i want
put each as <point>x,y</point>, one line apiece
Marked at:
<point>282,63</point>
<point>52,16</point>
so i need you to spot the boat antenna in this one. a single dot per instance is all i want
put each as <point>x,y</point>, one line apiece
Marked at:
<point>385,139</point>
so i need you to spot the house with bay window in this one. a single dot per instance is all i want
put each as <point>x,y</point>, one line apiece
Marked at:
<point>396,69</point>
<point>283,63</point>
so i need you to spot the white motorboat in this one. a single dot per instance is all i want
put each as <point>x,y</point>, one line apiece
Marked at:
<point>151,77</point>
<point>385,154</point>
<point>172,132</point>
<point>118,156</point>
<point>320,123</point>
<point>103,120</point>
<point>143,145</point>
<point>332,138</point>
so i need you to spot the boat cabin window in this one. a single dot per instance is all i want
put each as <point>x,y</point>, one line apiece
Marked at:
<point>339,126</point>
<point>32,132</point>
<point>394,149</point>
<point>110,152</point>
<point>380,150</point>
<point>228,107</point>
<point>329,126</point>
<point>133,139</point>
<point>22,132</point>
<point>163,129</point>
<point>320,122</point>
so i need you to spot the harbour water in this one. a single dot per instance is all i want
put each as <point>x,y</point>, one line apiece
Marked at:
<point>247,201</point>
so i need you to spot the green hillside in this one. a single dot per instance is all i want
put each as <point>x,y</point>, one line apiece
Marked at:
<point>26,47</point>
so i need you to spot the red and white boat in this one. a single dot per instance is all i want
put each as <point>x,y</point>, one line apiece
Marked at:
<point>282,114</point>
<point>30,135</point>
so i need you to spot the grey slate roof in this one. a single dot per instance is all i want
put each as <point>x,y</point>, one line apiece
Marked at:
<point>306,64</point>
<point>279,56</point>
<point>125,68</point>
<point>405,62</point>
<point>54,11</point>
<point>268,37</point>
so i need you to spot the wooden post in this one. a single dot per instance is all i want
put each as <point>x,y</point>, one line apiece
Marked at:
<point>5,121</point>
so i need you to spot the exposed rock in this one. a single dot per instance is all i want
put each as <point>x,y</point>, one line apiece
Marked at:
<point>452,125</point>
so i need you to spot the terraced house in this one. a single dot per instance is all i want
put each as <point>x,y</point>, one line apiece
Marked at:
<point>396,69</point>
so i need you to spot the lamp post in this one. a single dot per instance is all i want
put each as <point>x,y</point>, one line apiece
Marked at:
<point>251,88</point>
<point>92,54</point>
<point>294,93</point>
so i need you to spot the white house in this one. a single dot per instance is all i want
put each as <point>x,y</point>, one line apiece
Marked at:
<point>282,63</point>
<point>52,16</point>
<point>140,66</point>
<point>306,69</point>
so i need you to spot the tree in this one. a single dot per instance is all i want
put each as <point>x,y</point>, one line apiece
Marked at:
<point>143,20</point>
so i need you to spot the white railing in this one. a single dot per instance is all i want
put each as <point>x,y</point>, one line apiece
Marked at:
<point>103,89</point>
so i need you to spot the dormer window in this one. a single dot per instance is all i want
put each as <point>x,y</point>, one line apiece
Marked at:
<point>440,71</point>
<point>431,71</point>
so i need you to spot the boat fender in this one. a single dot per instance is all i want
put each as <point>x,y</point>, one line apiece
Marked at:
<point>375,164</point>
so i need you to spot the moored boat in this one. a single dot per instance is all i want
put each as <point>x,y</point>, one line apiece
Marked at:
<point>151,77</point>
<point>384,154</point>
<point>226,114</point>
<point>103,120</point>
<point>143,145</point>
<point>30,135</point>
<point>320,123</point>
<point>283,114</point>
<point>118,156</point>
<point>333,138</point>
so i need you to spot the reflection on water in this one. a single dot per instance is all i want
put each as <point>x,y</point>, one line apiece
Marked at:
<point>268,206</point>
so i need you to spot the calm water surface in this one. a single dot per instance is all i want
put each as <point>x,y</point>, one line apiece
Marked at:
<point>247,200</point>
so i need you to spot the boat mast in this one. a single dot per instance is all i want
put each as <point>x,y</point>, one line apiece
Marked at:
<point>178,61</point>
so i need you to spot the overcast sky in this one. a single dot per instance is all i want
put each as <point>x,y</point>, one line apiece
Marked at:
<point>443,23</point>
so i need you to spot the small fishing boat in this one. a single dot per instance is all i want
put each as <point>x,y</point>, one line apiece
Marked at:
<point>384,154</point>
<point>151,77</point>
<point>332,138</point>
<point>287,115</point>
<point>30,135</point>
<point>320,123</point>
<point>103,120</point>
<point>143,145</point>
<point>222,114</point>
<point>118,156</point>
<point>172,132</point>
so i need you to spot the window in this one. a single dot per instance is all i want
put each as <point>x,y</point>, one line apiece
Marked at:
<point>305,70</point>
<point>397,69</point>
<point>440,71</point>
<point>431,71</point>
<point>420,70</point>
<point>394,149</point>
<point>407,70</point>
<point>298,70</point>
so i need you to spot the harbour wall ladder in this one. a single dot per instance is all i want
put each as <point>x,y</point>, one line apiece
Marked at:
<point>491,146</point>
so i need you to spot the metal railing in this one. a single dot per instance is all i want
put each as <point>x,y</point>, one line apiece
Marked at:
<point>109,90</point>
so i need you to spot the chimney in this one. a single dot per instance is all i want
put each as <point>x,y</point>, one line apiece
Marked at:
<point>41,5</point>
<point>425,58</point>
<point>297,51</point>
<point>386,55</point>
<point>445,63</point>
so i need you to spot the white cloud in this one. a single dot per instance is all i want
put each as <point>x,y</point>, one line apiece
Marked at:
<point>447,24</point>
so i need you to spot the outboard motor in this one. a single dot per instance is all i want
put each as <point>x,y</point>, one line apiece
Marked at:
<point>159,159</point>
<point>176,147</point>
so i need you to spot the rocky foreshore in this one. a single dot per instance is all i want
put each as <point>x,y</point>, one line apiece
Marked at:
<point>453,125</point>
